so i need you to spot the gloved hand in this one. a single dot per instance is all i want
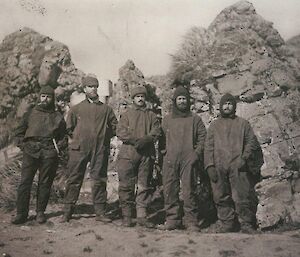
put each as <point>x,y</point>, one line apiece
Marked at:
<point>212,173</point>
<point>193,158</point>
<point>143,142</point>
<point>132,141</point>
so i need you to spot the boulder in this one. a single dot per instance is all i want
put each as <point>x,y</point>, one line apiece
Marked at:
<point>29,60</point>
<point>293,45</point>
<point>278,201</point>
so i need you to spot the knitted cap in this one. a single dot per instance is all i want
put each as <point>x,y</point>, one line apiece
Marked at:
<point>181,91</point>
<point>138,90</point>
<point>89,81</point>
<point>47,90</point>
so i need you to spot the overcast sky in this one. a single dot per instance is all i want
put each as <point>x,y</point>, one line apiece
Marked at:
<point>103,34</point>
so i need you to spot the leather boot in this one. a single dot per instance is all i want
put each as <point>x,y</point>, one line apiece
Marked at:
<point>247,228</point>
<point>226,228</point>
<point>171,225</point>
<point>127,222</point>
<point>100,213</point>
<point>19,219</point>
<point>68,211</point>
<point>144,222</point>
<point>192,228</point>
<point>103,218</point>
<point>41,217</point>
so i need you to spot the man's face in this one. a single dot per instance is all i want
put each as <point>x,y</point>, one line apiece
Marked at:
<point>228,108</point>
<point>45,100</point>
<point>91,91</point>
<point>139,100</point>
<point>181,102</point>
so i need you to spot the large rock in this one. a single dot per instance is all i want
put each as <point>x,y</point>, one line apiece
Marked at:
<point>29,60</point>
<point>129,77</point>
<point>278,201</point>
<point>240,52</point>
<point>293,45</point>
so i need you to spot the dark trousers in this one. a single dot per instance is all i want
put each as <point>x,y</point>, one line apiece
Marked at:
<point>132,173</point>
<point>47,170</point>
<point>234,196</point>
<point>98,171</point>
<point>180,174</point>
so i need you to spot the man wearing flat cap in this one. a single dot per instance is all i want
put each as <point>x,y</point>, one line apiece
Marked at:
<point>90,126</point>
<point>229,148</point>
<point>41,131</point>
<point>182,145</point>
<point>138,129</point>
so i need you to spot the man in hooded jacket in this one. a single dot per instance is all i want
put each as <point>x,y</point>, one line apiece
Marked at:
<point>183,139</point>
<point>90,126</point>
<point>41,131</point>
<point>138,129</point>
<point>229,145</point>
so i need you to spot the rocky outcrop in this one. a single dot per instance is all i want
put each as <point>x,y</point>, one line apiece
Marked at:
<point>129,77</point>
<point>243,54</point>
<point>29,60</point>
<point>294,46</point>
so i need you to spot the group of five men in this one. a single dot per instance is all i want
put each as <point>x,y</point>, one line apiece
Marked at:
<point>223,151</point>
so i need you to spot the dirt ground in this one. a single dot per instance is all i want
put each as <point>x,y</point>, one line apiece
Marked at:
<point>83,236</point>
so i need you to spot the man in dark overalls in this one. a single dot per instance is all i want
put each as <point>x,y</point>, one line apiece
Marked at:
<point>184,136</point>
<point>90,125</point>
<point>40,132</point>
<point>229,147</point>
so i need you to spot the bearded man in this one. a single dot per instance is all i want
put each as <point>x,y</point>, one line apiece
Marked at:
<point>41,131</point>
<point>229,146</point>
<point>183,142</point>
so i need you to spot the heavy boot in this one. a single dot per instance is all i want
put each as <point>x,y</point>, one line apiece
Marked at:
<point>247,228</point>
<point>103,218</point>
<point>171,225</point>
<point>141,219</point>
<point>19,219</point>
<point>226,227</point>
<point>192,227</point>
<point>41,217</point>
<point>100,213</point>
<point>68,212</point>
<point>127,222</point>
<point>144,222</point>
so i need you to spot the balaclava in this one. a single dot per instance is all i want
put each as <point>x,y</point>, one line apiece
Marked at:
<point>227,98</point>
<point>181,91</point>
<point>47,90</point>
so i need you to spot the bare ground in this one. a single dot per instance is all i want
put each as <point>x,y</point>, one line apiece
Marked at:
<point>83,236</point>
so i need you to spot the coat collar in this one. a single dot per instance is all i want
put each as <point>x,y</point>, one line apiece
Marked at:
<point>97,101</point>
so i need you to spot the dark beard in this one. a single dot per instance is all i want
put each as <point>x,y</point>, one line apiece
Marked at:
<point>177,113</point>
<point>45,106</point>
<point>227,115</point>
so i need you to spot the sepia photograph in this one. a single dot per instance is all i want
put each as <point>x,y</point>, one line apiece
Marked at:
<point>149,128</point>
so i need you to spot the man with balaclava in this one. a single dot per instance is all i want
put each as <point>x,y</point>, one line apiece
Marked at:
<point>40,133</point>
<point>229,144</point>
<point>138,129</point>
<point>182,145</point>
<point>90,126</point>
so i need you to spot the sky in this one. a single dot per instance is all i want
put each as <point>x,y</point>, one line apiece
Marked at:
<point>103,34</point>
